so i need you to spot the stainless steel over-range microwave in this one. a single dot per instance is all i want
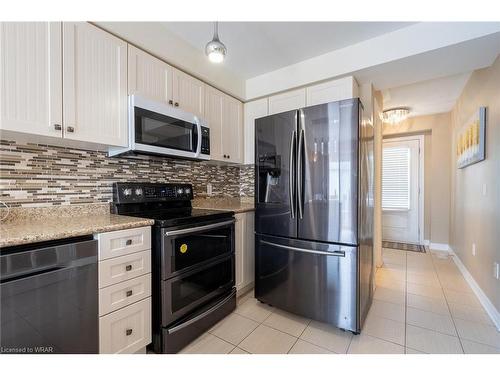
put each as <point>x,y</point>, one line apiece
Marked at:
<point>157,128</point>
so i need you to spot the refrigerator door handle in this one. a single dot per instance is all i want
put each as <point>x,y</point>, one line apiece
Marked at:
<point>291,177</point>
<point>299,249</point>
<point>300,177</point>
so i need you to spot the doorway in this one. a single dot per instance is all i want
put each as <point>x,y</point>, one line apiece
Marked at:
<point>402,189</point>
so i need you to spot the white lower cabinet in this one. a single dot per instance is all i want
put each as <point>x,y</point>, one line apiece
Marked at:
<point>244,251</point>
<point>124,290</point>
<point>127,330</point>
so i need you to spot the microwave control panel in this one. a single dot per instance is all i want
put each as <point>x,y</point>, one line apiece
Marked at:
<point>205,140</point>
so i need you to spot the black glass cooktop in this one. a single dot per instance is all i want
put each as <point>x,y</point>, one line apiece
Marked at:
<point>175,217</point>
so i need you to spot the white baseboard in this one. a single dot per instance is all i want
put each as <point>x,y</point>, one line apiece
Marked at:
<point>426,243</point>
<point>483,299</point>
<point>439,246</point>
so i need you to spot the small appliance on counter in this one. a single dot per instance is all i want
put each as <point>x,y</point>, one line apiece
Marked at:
<point>193,264</point>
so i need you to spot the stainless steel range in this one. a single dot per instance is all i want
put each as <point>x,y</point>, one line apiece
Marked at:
<point>193,260</point>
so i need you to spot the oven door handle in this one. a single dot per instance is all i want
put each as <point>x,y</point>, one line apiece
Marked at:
<point>201,316</point>
<point>198,229</point>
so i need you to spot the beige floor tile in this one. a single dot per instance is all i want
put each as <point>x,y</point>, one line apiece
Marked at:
<point>473,314</point>
<point>478,332</point>
<point>435,305</point>
<point>432,342</point>
<point>424,290</point>
<point>394,259</point>
<point>394,267</point>
<point>390,283</point>
<point>208,344</point>
<point>389,295</point>
<point>238,351</point>
<point>430,320</point>
<point>289,323</point>
<point>455,283</point>
<point>471,347</point>
<point>267,340</point>
<point>462,298</point>
<point>304,347</point>
<point>395,274</point>
<point>234,328</point>
<point>413,351</point>
<point>388,310</point>
<point>365,344</point>
<point>254,310</point>
<point>385,329</point>
<point>424,278</point>
<point>327,337</point>
<point>245,297</point>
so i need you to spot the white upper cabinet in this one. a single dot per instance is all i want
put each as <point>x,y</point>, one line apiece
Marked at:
<point>232,129</point>
<point>148,76</point>
<point>331,91</point>
<point>287,101</point>
<point>30,77</point>
<point>188,93</point>
<point>252,110</point>
<point>94,85</point>
<point>213,115</point>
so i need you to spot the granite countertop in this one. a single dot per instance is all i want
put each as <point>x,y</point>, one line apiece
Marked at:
<point>27,225</point>
<point>236,205</point>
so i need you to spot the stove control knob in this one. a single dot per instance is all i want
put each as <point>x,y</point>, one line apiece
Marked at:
<point>179,191</point>
<point>127,192</point>
<point>187,191</point>
<point>138,191</point>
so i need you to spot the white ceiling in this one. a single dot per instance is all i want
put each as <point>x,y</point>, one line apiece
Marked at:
<point>427,97</point>
<point>255,48</point>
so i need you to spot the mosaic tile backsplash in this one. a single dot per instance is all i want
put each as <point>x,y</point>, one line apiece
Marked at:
<point>42,175</point>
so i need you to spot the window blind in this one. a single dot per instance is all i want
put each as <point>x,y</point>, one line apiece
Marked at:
<point>396,178</point>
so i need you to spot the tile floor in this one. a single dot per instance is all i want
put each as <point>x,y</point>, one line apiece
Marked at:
<point>422,304</point>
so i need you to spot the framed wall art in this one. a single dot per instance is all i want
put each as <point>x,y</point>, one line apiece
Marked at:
<point>471,140</point>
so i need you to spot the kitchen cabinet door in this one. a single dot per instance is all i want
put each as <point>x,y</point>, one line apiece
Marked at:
<point>244,251</point>
<point>232,129</point>
<point>148,76</point>
<point>287,101</point>
<point>332,91</point>
<point>94,85</point>
<point>188,93</point>
<point>239,243</point>
<point>213,115</point>
<point>252,110</point>
<point>31,78</point>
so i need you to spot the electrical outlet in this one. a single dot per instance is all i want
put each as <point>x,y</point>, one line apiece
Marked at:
<point>496,270</point>
<point>209,189</point>
<point>474,249</point>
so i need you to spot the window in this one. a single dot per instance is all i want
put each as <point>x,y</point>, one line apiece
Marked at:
<point>396,178</point>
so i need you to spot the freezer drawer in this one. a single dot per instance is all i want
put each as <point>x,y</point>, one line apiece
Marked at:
<point>311,279</point>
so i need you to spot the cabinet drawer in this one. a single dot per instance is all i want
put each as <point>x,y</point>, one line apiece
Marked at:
<point>122,242</point>
<point>126,267</point>
<point>116,296</point>
<point>126,330</point>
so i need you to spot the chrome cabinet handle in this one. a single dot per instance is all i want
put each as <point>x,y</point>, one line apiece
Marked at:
<point>128,293</point>
<point>57,127</point>
<point>128,332</point>
<point>128,267</point>
<point>70,129</point>
<point>128,242</point>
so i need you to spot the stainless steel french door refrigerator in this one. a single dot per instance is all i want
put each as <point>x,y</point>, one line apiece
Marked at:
<point>314,212</point>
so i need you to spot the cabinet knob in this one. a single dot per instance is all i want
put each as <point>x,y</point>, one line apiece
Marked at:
<point>128,332</point>
<point>57,127</point>
<point>128,267</point>
<point>70,129</point>
<point>176,104</point>
<point>129,293</point>
<point>170,102</point>
<point>128,242</point>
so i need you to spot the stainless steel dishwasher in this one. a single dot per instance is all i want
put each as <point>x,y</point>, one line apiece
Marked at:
<point>49,297</point>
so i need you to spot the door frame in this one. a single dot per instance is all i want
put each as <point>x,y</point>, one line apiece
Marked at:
<point>421,163</point>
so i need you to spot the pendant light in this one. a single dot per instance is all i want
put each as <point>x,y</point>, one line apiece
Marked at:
<point>215,49</point>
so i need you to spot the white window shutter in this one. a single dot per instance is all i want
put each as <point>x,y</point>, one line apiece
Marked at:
<point>396,178</point>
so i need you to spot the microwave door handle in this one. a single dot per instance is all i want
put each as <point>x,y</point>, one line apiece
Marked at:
<point>198,146</point>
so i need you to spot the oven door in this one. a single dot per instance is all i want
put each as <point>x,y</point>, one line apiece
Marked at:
<point>187,248</point>
<point>161,129</point>
<point>184,293</point>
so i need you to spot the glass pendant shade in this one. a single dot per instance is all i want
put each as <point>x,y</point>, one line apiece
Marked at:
<point>215,49</point>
